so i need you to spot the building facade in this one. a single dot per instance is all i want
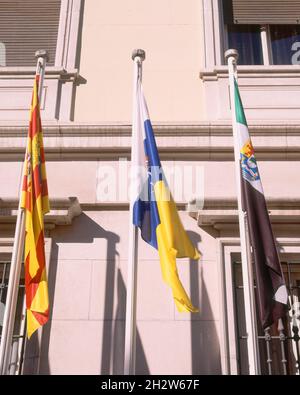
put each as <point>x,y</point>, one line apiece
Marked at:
<point>86,115</point>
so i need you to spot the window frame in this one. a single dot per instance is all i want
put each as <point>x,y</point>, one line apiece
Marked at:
<point>215,38</point>
<point>60,80</point>
<point>253,79</point>
<point>266,45</point>
<point>67,38</point>
<point>68,32</point>
<point>229,249</point>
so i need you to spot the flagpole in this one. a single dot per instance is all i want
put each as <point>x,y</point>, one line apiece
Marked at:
<point>138,56</point>
<point>248,286</point>
<point>17,254</point>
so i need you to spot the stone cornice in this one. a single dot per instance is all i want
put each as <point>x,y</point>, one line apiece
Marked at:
<point>221,214</point>
<point>28,72</point>
<point>213,74</point>
<point>62,212</point>
<point>202,141</point>
<point>200,153</point>
<point>19,129</point>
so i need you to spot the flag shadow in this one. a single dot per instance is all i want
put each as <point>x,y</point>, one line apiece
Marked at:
<point>113,341</point>
<point>205,346</point>
<point>85,230</point>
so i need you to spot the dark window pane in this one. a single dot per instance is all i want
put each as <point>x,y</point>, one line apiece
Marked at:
<point>285,43</point>
<point>246,39</point>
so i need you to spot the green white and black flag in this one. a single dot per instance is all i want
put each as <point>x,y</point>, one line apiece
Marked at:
<point>270,283</point>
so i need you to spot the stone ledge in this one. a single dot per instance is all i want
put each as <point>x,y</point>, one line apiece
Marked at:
<point>62,212</point>
<point>222,214</point>
<point>28,72</point>
<point>204,141</point>
<point>217,128</point>
<point>262,71</point>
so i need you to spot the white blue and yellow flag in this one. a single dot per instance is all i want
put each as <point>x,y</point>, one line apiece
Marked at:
<point>154,210</point>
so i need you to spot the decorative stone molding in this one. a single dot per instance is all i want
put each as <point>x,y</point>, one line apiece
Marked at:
<point>218,72</point>
<point>221,215</point>
<point>68,33</point>
<point>62,212</point>
<point>212,31</point>
<point>16,90</point>
<point>217,128</point>
<point>268,92</point>
<point>205,141</point>
<point>53,72</point>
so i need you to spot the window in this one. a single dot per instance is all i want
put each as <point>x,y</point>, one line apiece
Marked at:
<point>246,39</point>
<point>26,26</point>
<point>279,347</point>
<point>285,42</point>
<point>264,32</point>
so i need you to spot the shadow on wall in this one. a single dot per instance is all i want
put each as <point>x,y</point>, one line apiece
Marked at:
<point>205,346</point>
<point>85,230</point>
<point>114,336</point>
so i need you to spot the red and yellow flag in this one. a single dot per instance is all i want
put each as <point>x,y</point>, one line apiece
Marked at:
<point>35,202</point>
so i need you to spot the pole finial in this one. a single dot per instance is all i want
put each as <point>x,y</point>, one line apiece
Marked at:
<point>138,53</point>
<point>42,53</point>
<point>231,53</point>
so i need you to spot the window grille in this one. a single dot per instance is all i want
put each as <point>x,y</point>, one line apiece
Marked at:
<point>279,346</point>
<point>19,333</point>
